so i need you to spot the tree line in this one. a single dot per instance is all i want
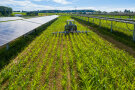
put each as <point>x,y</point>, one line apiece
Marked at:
<point>32,13</point>
<point>59,11</point>
<point>5,11</point>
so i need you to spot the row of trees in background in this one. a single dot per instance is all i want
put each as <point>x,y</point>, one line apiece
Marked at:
<point>5,11</point>
<point>115,12</point>
<point>89,11</point>
<point>32,13</point>
<point>60,11</point>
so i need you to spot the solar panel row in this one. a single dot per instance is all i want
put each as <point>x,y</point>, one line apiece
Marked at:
<point>9,18</point>
<point>12,30</point>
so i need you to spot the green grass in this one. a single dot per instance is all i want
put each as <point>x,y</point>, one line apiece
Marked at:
<point>74,61</point>
<point>23,13</point>
<point>42,14</point>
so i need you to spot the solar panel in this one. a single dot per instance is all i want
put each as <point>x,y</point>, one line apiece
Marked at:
<point>40,20</point>
<point>9,18</point>
<point>14,29</point>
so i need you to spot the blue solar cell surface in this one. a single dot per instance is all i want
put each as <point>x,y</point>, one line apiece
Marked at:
<point>9,18</point>
<point>14,29</point>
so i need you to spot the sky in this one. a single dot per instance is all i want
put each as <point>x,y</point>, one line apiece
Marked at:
<point>103,5</point>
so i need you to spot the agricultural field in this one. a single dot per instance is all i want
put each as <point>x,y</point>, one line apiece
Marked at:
<point>124,28</point>
<point>23,13</point>
<point>64,14</point>
<point>74,61</point>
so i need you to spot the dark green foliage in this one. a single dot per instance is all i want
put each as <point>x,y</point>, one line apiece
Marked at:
<point>64,11</point>
<point>5,11</point>
<point>32,13</point>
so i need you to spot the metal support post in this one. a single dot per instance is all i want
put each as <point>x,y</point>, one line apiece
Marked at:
<point>35,30</point>
<point>24,35</point>
<point>93,20</point>
<point>88,19</point>
<point>134,33</point>
<point>99,22</point>
<point>111,26</point>
<point>7,46</point>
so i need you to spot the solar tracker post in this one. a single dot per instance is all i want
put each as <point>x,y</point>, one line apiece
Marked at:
<point>7,46</point>
<point>99,22</point>
<point>93,20</point>
<point>134,33</point>
<point>111,26</point>
<point>35,31</point>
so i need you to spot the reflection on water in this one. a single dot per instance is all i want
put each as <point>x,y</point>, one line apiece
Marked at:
<point>14,29</point>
